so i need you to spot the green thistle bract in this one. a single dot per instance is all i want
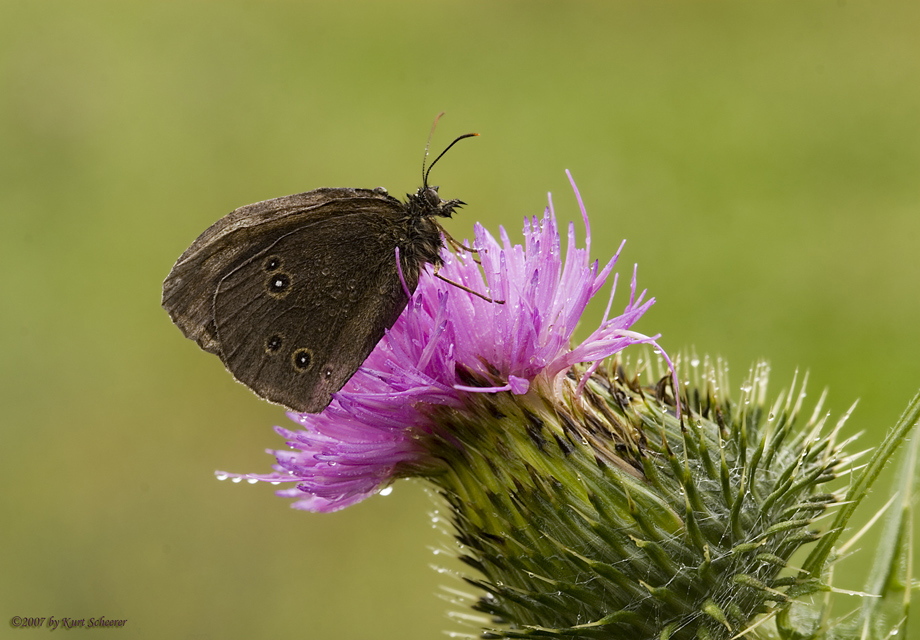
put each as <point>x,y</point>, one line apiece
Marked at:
<point>602,515</point>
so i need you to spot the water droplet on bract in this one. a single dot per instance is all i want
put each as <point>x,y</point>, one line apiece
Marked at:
<point>746,388</point>
<point>236,480</point>
<point>695,362</point>
<point>770,417</point>
<point>386,491</point>
<point>252,480</point>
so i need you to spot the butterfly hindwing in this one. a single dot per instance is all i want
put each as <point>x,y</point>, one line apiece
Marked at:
<point>295,320</point>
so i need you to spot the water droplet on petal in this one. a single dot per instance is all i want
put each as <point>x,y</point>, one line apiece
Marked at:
<point>252,480</point>
<point>236,480</point>
<point>386,491</point>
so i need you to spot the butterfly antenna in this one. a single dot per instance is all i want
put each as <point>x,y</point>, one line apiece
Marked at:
<point>428,144</point>
<point>425,174</point>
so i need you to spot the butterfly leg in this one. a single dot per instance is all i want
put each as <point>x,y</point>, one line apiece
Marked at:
<point>467,289</point>
<point>459,246</point>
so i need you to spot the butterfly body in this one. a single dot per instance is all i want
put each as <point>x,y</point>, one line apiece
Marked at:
<point>293,293</point>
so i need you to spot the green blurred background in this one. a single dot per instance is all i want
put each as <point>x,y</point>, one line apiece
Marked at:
<point>763,160</point>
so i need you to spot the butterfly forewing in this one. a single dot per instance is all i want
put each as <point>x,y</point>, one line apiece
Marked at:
<point>188,291</point>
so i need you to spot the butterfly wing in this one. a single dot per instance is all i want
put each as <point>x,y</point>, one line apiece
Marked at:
<point>336,248</point>
<point>297,320</point>
<point>188,291</point>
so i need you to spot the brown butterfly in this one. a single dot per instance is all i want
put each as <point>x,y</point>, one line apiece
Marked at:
<point>294,293</point>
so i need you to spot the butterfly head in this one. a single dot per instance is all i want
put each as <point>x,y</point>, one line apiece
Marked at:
<point>426,203</point>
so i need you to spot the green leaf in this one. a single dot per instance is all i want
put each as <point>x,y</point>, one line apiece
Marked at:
<point>886,616</point>
<point>859,489</point>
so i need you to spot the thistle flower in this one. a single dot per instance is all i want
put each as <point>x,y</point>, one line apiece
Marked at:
<point>588,498</point>
<point>448,349</point>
